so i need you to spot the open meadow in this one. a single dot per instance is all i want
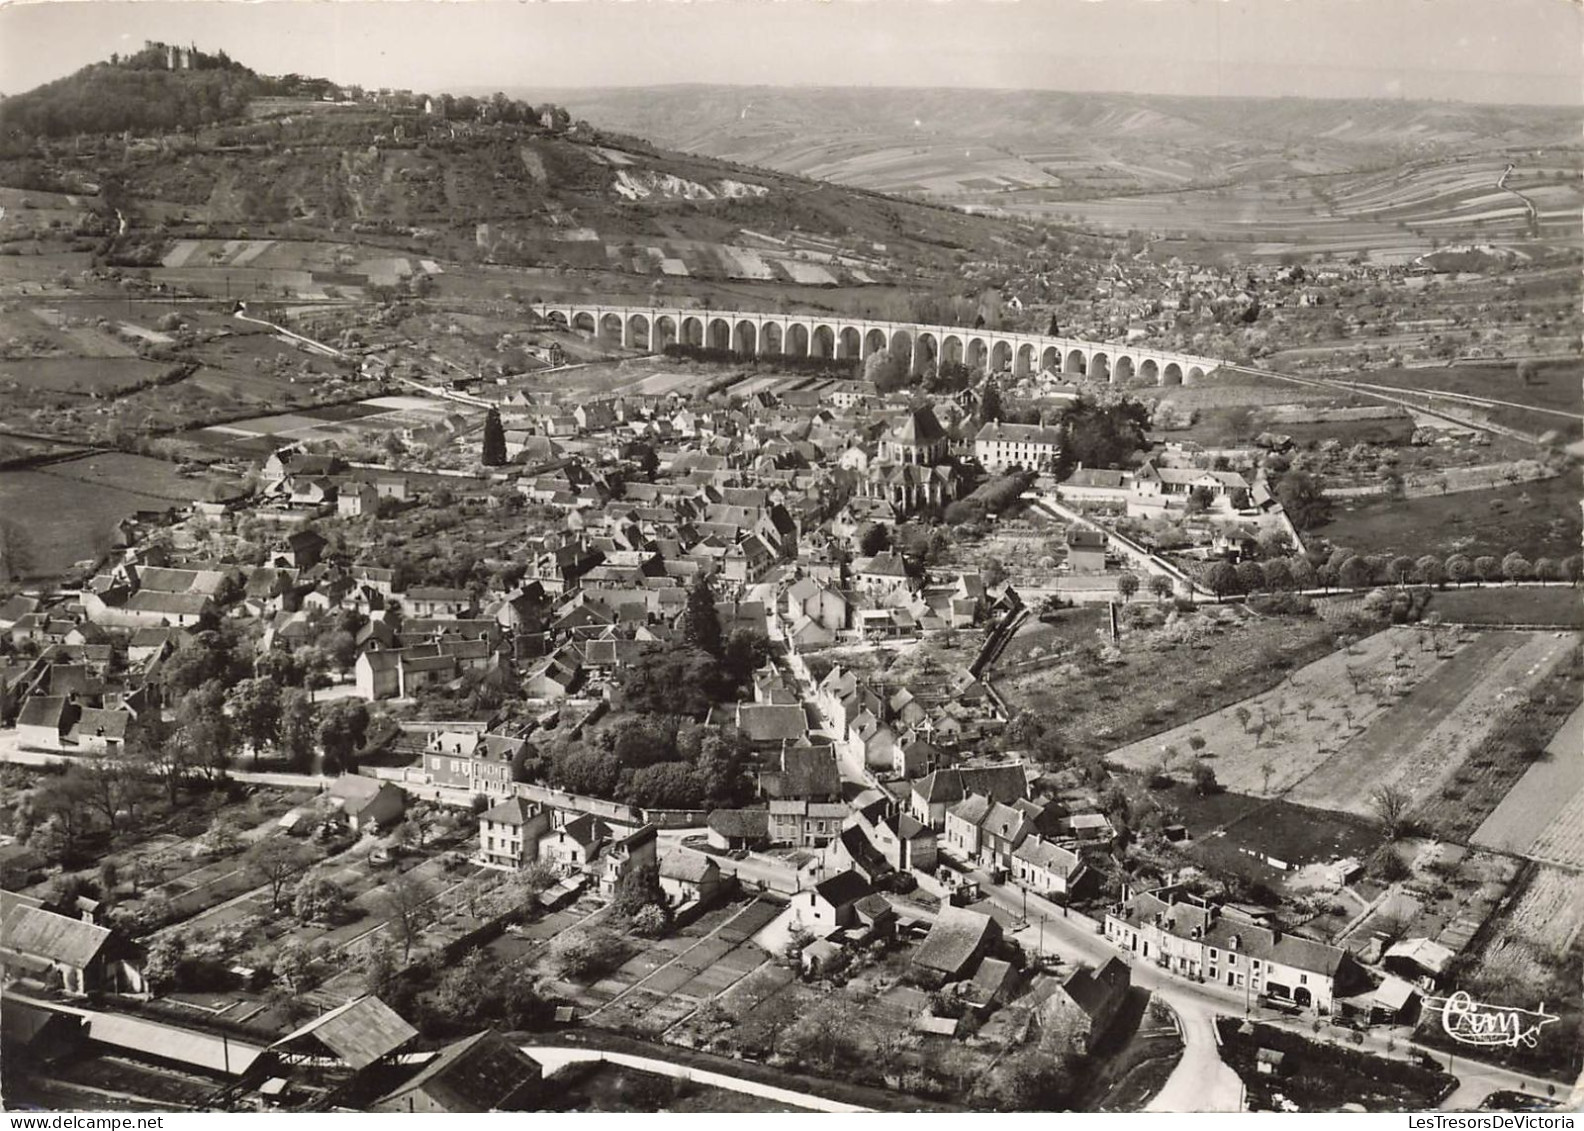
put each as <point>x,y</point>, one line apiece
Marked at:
<point>1536,519</point>
<point>1498,605</point>
<point>70,509</point>
<point>1158,679</point>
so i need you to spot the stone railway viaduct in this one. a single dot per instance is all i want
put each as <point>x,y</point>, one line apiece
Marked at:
<point>758,334</point>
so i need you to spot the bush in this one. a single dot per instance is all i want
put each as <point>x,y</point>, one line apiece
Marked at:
<point>585,955</point>
<point>650,921</point>
<point>1387,866</point>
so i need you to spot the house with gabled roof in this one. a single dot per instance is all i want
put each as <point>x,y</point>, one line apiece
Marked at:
<point>627,856</point>
<point>56,949</point>
<point>952,950</point>
<point>572,848</point>
<point>933,794</point>
<point>365,803</point>
<point>806,824</point>
<point>738,829</point>
<point>1082,1009</point>
<point>510,832</point>
<point>830,904</point>
<point>1219,943</point>
<point>1045,868</point>
<point>689,877</point>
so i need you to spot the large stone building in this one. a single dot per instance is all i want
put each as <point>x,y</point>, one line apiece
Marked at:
<point>999,446</point>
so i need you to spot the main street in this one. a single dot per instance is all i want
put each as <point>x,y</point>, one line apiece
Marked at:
<point>1202,1082</point>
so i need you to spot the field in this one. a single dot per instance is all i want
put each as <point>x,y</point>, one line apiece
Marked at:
<point>1555,385</point>
<point>1529,719</point>
<point>1298,738</point>
<point>1535,519</point>
<point>86,376</point>
<point>1545,803</point>
<point>1560,605</point>
<point>1389,711</point>
<point>1238,833</point>
<point>70,509</point>
<point>1420,742</point>
<point>1161,678</point>
<point>368,422</point>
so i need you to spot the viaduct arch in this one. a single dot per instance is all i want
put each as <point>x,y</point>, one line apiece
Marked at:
<point>757,334</point>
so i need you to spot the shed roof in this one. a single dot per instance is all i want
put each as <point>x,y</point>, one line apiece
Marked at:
<point>38,933</point>
<point>359,1032</point>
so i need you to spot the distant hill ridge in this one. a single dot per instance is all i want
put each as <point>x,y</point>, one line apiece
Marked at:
<point>673,114</point>
<point>936,142</point>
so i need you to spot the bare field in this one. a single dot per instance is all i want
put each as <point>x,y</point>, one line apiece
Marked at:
<point>1547,804</point>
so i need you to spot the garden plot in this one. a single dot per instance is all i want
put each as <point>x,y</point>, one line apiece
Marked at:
<point>1269,743</point>
<point>666,981</point>
<point>1534,936</point>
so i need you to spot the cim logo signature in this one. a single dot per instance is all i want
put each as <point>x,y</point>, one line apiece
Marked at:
<point>1477,1023</point>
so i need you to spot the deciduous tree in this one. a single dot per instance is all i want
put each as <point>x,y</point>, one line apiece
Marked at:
<point>1391,804</point>
<point>342,728</point>
<point>277,862</point>
<point>1302,496</point>
<point>1222,579</point>
<point>404,902</point>
<point>255,706</point>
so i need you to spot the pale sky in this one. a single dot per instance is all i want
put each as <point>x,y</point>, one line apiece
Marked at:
<point>1466,50</point>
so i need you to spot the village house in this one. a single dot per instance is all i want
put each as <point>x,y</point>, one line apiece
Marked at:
<point>509,833</point>
<point>689,877</point>
<point>79,957</point>
<point>738,830</point>
<point>806,824</point>
<point>1096,485</point>
<point>1046,868</point>
<point>471,761</point>
<point>573,847</point>
<point>952,950</point>
<point>628,856</point>
<point>1190,937</point>
<point>932,795</point>
<point>364,803</point>
<point>829,905</point>
<point>1083,1008</point>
